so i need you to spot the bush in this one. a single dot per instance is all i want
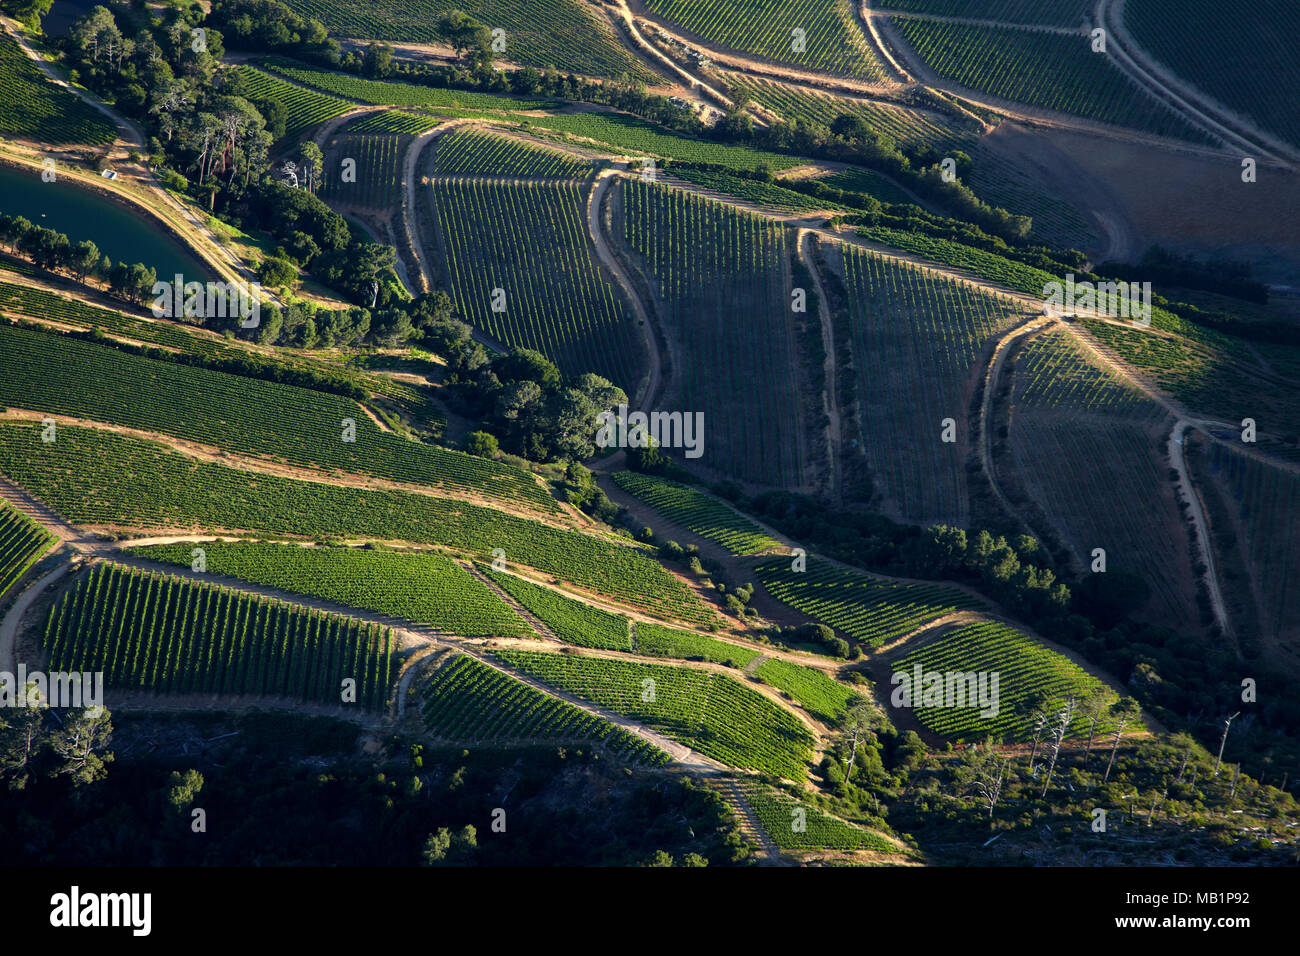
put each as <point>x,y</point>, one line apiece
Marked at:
<point>482,444</point>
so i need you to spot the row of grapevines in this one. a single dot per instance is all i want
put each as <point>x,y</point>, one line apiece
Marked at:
<point>35,303</point>
<point>560,34</point>
<point>919,335</point>
<point>572,621</point>
<point>305,108</point>
<point>1048,70</point>
<point>635,136</point>
<point>813,34</point>
<point>824,698</point>
<point>698,512</point>
<point>654,640</point>
<point>377,179</point>
<point>31,107</point>
<point>810,829</point>
<point>725,280</point>
<point>1243,55</point>
<point>387,93</point>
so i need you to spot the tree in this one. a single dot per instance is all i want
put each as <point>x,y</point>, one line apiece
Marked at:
<point>1227,723</point>
<point>182,789</point>
<point>981,769</point>
<point>445,848</point>
<point>378,60</point>
<point>313,166</point>
<point>82,746</point>
<point>482,444</point>
<point>27,12</point>
<point>277,273</point>
<point>21,739</point>
<point>1034,710</point>
<point>83,259</point>
<point>859,720</point>
<point>1061,720</point>
<point>1091,707</point>
<point>1123,710</point>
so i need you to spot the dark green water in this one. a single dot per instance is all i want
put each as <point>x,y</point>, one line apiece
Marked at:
<point>81,213</point>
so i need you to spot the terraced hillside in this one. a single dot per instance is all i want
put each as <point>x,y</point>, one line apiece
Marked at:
<point>872,610</point>
<point>1240,56</point>
<point>472,152</point>
<point>723,278</point>
<point>1090,450</point>
<point>468,701</point>
<point>43,372</point>
<point>560,33</point>
<point>1023,668</point>
<point>1051,71</point>
<point>699,512</point>
<point>97,478</point>
<point>708,712</point>
<point>813,34</point>
<point>33,108</point>
<point>926,337</point>
<point>519,265</point>
<point>1252,504</point>
<point>306,108</point>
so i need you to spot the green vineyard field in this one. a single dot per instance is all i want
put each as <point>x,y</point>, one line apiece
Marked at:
<point>919,334</point>
<point>632,136</point>
<point>1243,56</point>
<point>154,632</point>
<point>467,701</point>
<point>824,698</point>
<point>43,372</point>
<point>698,512</point>
<point>541,33</point>
<point>22,543</point>
<point>1059,13</point>
<point>874,611</point>
<point>34,303</point>
<point>93,477</point>
<point>389,93</point>
<point>653,640</point>
<point>572,621</point>
<point>1047,70</point>
<point>421,587</point>
<point>724,279</point>
<point>530,241</point>
<point>377,183</point>
<point>471,152</point>
<point>306,108</point>
<point>831,40</point>
<point>1023,666</point>
<point>816,830</point>
<point>707,712</point>
<point>31,107</point>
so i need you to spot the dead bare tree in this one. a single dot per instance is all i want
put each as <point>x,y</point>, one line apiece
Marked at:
<point>1062,719</point>
<point>1227,723</point>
